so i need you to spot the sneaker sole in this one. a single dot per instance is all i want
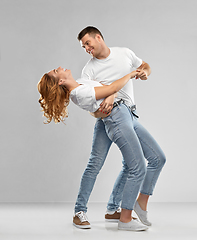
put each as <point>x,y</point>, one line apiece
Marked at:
<point>82,226</point>
<point>134,230</point>
<point>112,220</point>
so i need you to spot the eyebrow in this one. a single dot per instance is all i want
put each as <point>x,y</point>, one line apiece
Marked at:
<point>54,70</point>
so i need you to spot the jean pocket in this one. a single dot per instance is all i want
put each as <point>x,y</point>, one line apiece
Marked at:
<point>115,111</point>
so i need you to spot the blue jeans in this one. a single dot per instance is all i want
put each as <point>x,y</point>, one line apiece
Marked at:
<point>135,144</point>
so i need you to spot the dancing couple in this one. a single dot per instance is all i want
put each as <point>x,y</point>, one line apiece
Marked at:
<point>106,90</point>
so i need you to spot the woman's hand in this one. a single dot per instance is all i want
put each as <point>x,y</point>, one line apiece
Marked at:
<point>107,104</point>
<point>133,74</point>
<point>141,74</point>
<point>99,114</point>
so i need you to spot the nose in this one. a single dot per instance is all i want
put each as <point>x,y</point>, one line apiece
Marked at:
<point>87,49</point>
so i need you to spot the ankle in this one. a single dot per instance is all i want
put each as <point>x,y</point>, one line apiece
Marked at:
<point>125,220</point>
<point>143,201</point>
<point>126,215</point>
<point>142,205</point>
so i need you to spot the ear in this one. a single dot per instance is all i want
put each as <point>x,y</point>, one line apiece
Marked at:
<point>60,82</point>
<point>98,37</point>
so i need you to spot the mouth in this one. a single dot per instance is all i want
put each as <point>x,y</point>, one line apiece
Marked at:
<point>91,52</point>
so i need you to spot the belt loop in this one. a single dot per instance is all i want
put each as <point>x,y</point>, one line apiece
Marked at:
<point>133,108</point>
<point>118,103</point>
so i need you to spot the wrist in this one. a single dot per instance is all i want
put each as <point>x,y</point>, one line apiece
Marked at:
<point>133,74</point>
<point>147,72</point>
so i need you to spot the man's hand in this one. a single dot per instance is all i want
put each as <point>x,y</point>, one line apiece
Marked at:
<point>107,104</point>
<point>141,74</point>
<point>143,71</point>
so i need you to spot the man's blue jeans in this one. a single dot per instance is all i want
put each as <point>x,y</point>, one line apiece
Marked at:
<point>136,145</point>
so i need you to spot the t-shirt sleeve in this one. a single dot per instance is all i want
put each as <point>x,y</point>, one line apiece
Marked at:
<point>85,74</point>
<point>87,71</point>
<point>135,61</point>
<point>84,97</point>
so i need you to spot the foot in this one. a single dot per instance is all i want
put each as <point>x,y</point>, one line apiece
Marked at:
<point>113,216</point>
<point>80,220</point>
<point>141,214</point>
<point>133,225</point>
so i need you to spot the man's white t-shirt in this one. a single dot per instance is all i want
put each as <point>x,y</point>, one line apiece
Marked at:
<point>84,95</point>
<point>119,63</point>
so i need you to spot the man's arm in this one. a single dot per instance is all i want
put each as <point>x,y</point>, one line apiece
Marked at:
<point>145,71</point>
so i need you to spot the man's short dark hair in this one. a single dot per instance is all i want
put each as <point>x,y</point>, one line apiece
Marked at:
<point>90,30</point>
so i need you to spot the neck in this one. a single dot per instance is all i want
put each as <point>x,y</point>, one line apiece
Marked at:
<point>71,84</point>
<point>104,53</point>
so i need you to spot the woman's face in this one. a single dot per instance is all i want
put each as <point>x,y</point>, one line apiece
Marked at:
<point>60,73</point>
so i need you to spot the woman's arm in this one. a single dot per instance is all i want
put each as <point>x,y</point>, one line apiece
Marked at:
<point>105,91</point>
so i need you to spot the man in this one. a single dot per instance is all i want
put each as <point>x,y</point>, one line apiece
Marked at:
<point>105,66</point>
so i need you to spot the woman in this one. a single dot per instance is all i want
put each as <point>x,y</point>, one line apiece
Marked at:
<point>57,86</point>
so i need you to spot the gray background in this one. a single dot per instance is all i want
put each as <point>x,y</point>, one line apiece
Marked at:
<point>44,163</point>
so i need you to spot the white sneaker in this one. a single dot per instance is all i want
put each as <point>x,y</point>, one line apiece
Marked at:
<point>133,225</point>
<point>80,220</point>
<point>141,214</point>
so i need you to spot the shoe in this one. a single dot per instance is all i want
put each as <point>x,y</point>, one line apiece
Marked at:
<point>80,220</point>
<point>133,225</point>
<point>141,214</point>
<point>113,216</point>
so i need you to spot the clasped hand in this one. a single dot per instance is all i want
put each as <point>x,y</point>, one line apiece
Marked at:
<point>141,74</point>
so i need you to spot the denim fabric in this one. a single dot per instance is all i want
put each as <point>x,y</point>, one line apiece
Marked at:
<point>135,144</point>
<point>100,147</point>
<point>155,162</point>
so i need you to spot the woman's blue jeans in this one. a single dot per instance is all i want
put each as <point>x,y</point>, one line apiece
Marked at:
<point>136,145</point>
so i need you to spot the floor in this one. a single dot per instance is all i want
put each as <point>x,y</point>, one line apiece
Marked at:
<point>54,222</point>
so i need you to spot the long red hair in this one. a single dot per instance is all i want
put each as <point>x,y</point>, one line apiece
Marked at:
<point>54,99</point>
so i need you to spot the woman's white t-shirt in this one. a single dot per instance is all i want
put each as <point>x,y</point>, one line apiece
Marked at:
<point>84,95</point>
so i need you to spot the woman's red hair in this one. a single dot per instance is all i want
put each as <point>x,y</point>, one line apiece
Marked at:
<point>54,99</point>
